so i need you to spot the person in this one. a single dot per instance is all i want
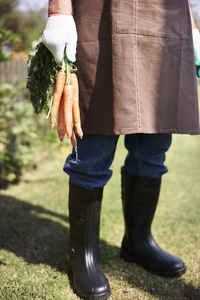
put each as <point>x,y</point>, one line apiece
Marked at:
<point>137,78</point>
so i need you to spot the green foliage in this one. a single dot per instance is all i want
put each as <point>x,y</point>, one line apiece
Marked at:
<point>17,130</point>
<point>42,71</point>
<point>7,7</point>
<point>17,123</point>
<point>6,37</point>
<point>29,26</point>
<point>7,16</point>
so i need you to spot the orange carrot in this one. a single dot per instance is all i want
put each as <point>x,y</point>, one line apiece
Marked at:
<point>68,100</point>
<point>73,140</point>
<point>75,107</point>
<point>61,120</point>
<point>60,82</point>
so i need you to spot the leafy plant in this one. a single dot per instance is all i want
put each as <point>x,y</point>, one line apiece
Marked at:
<point>17,130</point>
<point>17,123</point>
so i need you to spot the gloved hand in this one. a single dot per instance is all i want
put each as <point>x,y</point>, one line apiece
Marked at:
<point>60,32</point>
<point>196,43</point>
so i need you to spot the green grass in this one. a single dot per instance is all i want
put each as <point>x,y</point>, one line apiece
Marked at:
<point>34,231</point>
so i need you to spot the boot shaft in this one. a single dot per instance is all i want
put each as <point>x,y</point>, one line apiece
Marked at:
<point>139,199</point>
<point>84,219</point>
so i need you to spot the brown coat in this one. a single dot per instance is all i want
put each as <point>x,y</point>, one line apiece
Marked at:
<point>136,67</point>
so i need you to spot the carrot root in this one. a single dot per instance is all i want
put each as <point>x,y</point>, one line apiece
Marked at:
<point>68,101</point>
<point>76,119</point>
<point>61,121</point>
<point>60,82</point>
<point>75,107</point>
<point>73,140</point>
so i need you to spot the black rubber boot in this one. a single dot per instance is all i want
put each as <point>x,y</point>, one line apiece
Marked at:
<point>140,199</point>
<point>84,218</point>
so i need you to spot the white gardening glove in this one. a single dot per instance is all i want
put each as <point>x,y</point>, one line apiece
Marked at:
<point>196,44</point>
<point>60,32</point>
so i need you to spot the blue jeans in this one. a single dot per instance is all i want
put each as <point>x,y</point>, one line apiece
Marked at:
<point>145,158</point>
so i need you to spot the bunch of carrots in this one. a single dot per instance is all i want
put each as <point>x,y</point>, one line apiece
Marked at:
<point>65,105</point>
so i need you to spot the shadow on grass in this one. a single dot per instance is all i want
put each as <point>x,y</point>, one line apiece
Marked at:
<point>40,236</point>
<point>33,233</point>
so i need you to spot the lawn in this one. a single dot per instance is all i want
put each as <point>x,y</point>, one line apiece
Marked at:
<point>34,231</point>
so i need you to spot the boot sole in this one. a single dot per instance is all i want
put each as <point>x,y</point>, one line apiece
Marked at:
<point>177,273</point>
<point>95,297</point>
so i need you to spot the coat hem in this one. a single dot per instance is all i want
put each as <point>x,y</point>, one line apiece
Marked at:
<point>144,131</point>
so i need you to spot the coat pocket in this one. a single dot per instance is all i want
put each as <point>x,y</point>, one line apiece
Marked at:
<point>159,18</point>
